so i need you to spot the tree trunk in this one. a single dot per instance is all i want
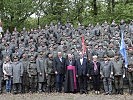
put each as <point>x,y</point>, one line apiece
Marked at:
<point>109,6</point>
<point>113,5</point>
<point>80,10</point>
<point>2,9</point>
<point>95,7</point>
<point>60,11</point>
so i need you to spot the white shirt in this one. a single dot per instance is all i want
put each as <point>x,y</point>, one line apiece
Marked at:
<point>60,59</point>
<point>81,61</point>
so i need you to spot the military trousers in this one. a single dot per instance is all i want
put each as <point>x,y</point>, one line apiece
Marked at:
<point>130,78</point>
<point>118,82</point>
<point>25,83</point>
<point>42,86</point>
<point>33,83</point>
<point>50,80</point>
<point>1,84</point>
<point>107,82</point>
<point>17,88</point>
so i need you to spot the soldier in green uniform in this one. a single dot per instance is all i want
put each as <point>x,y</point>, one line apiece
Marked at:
<point>25,80</point>
<point>17,74</point>
<point>1,75</point>
<point>32,72</point>
<point>50,73</point>
<point>130,69</point>
<point>40,61</point>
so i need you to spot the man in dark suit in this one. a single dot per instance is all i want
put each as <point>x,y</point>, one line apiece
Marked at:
<point>82,70</point>
<point>59,68</point>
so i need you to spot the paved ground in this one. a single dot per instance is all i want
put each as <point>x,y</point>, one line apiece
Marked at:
<point>63,96</point>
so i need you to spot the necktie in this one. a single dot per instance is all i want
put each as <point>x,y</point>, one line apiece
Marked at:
<point>95,65</point>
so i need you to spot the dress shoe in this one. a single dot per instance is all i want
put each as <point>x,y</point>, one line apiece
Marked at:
<point>106,93</point>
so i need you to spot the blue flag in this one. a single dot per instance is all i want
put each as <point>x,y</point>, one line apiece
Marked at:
<point>123,50</point>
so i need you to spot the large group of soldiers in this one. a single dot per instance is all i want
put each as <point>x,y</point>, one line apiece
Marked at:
<point>28,58</point>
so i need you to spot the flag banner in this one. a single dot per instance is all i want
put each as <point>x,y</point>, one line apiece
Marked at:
<point>83,45</point>
<point>123,50</point>
<point>1,30</point>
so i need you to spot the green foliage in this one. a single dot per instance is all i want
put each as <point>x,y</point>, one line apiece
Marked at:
<point>17,13</point>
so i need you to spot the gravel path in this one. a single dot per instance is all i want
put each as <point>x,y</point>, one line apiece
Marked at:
<point>62,96</point>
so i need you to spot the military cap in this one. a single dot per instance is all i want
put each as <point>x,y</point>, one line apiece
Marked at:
<point>40,50</point>
<point>72,47</point>
<point>32,55</point>
<point>117,54</point>
<point>100,45</point>
<point>16,48</point>
<point>7,44</point>
<point>26,49</point>
<point>78,46</point>
<point>130,50</point>
<point>55,46</point>
<point>105,56</point>
<point>15,56</point>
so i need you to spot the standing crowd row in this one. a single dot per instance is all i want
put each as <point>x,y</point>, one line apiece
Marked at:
<point>52,59</point>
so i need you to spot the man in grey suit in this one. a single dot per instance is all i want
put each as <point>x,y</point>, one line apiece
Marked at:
<point>118,71</point>
<point>106,72</point>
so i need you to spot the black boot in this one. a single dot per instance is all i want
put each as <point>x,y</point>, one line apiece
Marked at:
<point>121,91</point>
<point>130,91</point>
<point>14,92</point>
<point>116,91</point>
<point>0,91</point>
<point>48,90</point>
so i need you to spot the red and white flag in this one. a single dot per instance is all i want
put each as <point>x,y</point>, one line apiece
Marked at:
<point>83,45</point>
